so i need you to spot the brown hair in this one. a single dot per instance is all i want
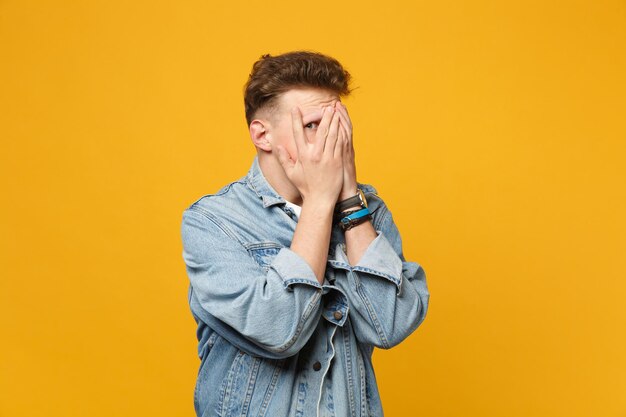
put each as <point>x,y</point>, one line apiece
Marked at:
<point>274,75</point>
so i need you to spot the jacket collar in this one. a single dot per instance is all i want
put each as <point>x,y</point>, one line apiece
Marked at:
<point>261,187</point>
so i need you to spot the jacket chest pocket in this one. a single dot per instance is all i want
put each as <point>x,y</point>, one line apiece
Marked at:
<point>264,253</point>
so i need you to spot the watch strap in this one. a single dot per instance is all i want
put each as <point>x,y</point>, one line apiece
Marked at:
<point>357,200</point>
<point>354,219</point>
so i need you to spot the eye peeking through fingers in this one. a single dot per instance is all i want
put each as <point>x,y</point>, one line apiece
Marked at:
<point>312,125</point>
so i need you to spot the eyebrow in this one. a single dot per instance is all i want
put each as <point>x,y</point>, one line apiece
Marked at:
<point>313,116</point>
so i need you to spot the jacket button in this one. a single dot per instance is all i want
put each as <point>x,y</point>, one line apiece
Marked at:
<point>317,366</point>
<point>337,315</point>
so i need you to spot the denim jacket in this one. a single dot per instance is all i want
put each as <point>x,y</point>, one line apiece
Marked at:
<point>273,341</point>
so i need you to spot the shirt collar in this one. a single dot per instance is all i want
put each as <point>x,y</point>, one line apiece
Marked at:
<point>261,187</point>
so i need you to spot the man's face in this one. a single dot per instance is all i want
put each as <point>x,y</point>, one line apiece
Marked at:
<point>311,102</point>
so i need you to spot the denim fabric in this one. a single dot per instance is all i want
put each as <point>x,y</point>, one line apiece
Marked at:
<point>273,341</point>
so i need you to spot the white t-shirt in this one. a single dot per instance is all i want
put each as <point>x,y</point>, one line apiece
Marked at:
<point>296,209</point>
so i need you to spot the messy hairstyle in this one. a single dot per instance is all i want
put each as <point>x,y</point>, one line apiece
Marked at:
<point>274,75</point>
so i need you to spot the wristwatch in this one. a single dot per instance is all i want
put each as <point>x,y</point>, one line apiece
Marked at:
<point>357,200</point>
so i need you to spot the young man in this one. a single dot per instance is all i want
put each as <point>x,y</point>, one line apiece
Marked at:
<point>296,270</point>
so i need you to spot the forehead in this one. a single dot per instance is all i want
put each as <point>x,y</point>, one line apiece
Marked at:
<point>306,99</point>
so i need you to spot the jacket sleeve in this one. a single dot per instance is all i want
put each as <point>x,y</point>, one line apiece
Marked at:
<point>388,296</point>
<point>267,312</point>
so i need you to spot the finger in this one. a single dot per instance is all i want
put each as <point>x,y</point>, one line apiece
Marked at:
<point>348,132</point>
<point>341,142</point>
<point>344,112</point>
<point>346,151</point>
<point>322,129</point>
<point>333,134</point>
<point>298,130</point>
<point>343,127</point>
<point>284,158</point>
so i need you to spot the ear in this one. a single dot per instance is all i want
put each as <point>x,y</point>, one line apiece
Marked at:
<point>259,133</point>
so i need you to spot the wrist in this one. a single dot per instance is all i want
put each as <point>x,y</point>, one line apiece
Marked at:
<point>348,191</point>
<point>320,204</point>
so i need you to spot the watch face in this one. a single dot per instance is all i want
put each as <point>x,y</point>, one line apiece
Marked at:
<point>362,197</point>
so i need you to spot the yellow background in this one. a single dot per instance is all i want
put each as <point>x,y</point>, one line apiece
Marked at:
<point>494,130</point>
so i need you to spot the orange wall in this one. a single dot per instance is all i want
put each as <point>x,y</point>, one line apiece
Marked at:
<point>495,131</point>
